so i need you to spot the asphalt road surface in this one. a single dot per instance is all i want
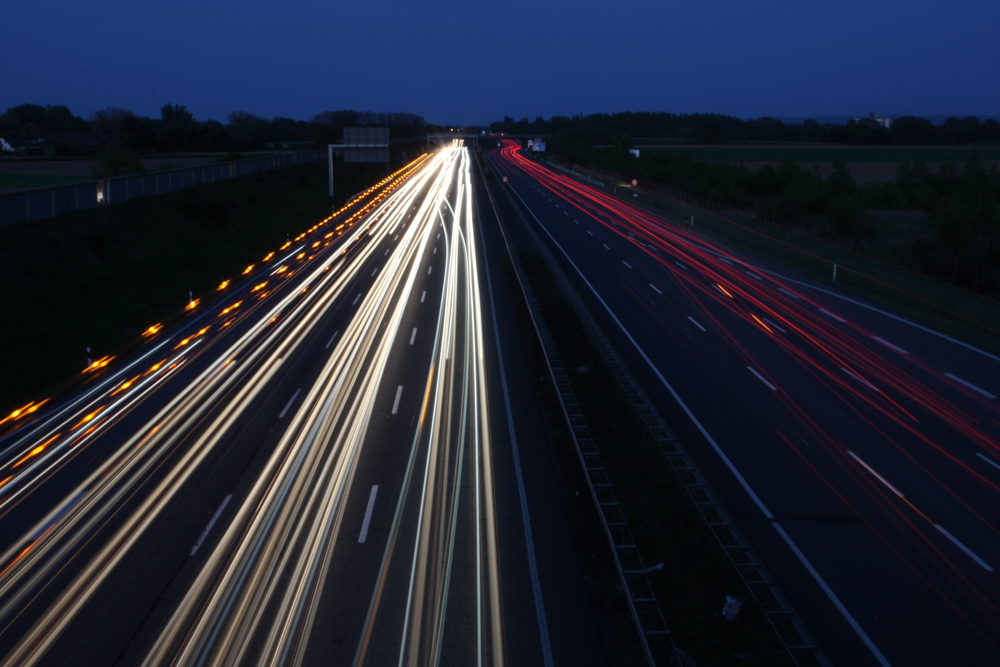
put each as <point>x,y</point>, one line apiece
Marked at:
<point>335,461</point>
<point>859,452</point>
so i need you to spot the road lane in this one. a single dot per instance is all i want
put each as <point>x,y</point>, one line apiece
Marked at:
<point>700,316</point>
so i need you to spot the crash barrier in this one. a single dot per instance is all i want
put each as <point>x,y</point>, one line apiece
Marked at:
<point>51,202</point>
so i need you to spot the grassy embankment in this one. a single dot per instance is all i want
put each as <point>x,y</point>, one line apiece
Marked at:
<point>946,308</point>
<point>99,278</point>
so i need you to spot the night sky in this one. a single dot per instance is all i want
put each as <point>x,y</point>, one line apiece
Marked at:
<point>473,62</point>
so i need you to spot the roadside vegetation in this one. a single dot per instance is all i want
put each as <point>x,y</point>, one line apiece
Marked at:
<point>99,278</point>
<point>121,137</point>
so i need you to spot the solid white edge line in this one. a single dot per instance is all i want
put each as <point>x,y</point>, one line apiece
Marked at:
<point>761,378</point>
<point>289,404</point>
<point>970,385</point>
<point>368,515</point>
<point>395,404</point>
<point>872,471</point>
<point>413,335</point>
<point>829,314</point>
<point>722,455</point>
<point>208,528</point>
<point>696,324</point>
<point>536,586</point>
<point>967,550</point>
<point>833,597</point>
<point>329,342</point>
<point>989,460</point>
<point>889,345</point>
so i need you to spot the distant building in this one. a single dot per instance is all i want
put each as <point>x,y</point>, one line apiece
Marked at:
<point>872,119</point>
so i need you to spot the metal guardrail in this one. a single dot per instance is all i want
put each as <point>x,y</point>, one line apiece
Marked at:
<point>50,202</point>
<point>657,642</point>
<point>786,623</point>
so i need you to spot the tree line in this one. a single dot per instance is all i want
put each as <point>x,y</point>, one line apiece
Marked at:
<point>950,216</point>
<point>55,131</point>
<point>718,129</point>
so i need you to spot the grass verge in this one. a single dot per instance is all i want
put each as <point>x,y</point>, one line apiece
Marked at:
<point>99,278</point>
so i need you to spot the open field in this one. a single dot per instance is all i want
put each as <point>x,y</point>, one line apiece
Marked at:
<point>809,153</point>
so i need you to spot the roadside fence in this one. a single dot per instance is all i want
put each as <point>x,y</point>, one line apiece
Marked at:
<point>51,202</point>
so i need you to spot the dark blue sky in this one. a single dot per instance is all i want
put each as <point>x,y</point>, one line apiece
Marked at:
<point>468,62</point>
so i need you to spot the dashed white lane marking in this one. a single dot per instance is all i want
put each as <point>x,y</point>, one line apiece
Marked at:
<point>681,265</point>
<point>395,404</point>
<point>626,264</point>
<point>429,269</point>
<point>386,252</point>
<point>787,293</point>
<point>368,515</point>
<point>970,385</point>
<point>725,260</point>
<point>439,235</point>
<point>989,460</point>
<point>289,404</point>
<point>829,314</point>
<point>655,288</point>
<point>872,471</point>
<point>753,275</point>
<point>860,379</point>
<point>577,221</point>
<point>423,296</point>
<point>590,232</point>
<point>413,336</point>
<point>332,338</point>
<point>435,251</point>
<point>396,237</point>
<point>775,325</point>
<point>889,345</point>
<point>375,271</point>
<point>761,378</point>
<point>700,327</point>
<point>356,299</point>
<point>606,246</point>
<point>215,517</point>
<point>565,213</point>
<point>967,550</point>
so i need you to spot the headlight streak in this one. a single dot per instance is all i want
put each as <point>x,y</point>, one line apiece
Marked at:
<point>130,464</point>
<point>255,597</point>
<point>888,392</point>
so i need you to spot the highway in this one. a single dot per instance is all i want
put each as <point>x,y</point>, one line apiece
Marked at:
<point>317,466</point>
<point>858,451</point>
